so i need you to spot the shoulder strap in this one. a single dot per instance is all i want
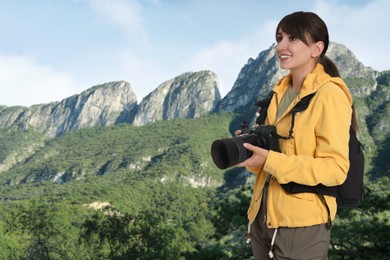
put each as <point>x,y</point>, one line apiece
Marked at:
<point>303,103</point>
<point>300,106</point>
<point>263,108</point>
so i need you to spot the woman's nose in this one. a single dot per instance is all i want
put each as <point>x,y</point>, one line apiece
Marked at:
<point>281,45</point>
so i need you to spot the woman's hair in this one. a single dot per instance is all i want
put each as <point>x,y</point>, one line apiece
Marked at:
<point>308,26</point>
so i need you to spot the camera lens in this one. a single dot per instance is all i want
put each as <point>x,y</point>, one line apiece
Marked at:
<point>229,152</point>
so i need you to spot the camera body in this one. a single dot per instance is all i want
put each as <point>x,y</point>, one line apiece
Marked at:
<point>230,151</point>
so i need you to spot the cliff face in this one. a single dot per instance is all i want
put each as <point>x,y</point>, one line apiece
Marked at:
<point>189,95</point>
<point>101,105</point>
<point>254,80</point>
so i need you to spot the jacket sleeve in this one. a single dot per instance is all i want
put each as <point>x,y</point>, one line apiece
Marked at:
<point>330,163</point>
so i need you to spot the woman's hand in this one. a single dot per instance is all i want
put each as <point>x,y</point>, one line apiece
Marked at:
<point>257,159</point>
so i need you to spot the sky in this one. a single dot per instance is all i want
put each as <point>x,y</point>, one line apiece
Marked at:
<point>53,49</point>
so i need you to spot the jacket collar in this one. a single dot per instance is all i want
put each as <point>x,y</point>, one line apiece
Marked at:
<point>313,81</point>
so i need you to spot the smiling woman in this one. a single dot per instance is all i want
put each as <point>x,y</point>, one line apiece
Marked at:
<point>315,151</point>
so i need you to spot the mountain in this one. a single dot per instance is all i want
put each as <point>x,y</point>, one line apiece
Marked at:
<point>193,95</point>
<point>101,105</point>
<point>189,95</point>
<point>186,96</point>
<point>165,151</point>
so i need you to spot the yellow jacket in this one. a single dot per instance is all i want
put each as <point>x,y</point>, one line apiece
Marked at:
<point>318,153</point>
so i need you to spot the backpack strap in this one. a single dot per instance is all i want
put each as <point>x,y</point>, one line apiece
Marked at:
<point>300,106</point>
<point>263,108</point>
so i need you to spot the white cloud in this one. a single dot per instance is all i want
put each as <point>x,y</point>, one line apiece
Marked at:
<point>227,58</point>
<point>361,28</point>
<point>126,15</point>
<point>23,82</point>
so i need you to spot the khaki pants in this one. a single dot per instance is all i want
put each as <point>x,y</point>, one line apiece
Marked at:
<point>290,243</point>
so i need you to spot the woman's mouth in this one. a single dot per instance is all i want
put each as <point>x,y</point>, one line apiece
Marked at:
<point>284,57</point>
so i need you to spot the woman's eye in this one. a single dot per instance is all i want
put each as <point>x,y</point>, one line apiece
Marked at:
<point>292,38</point>
<point>278,39</point>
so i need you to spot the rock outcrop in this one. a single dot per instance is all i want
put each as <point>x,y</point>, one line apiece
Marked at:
<point>100,105</point>
<point>189,95</point>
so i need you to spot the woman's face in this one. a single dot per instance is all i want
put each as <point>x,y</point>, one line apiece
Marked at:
<point>294,54</point>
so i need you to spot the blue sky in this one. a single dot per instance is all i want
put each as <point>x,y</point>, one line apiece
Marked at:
<point>52,49</point>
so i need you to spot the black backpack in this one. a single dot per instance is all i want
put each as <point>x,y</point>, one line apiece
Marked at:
<point>350,193</point>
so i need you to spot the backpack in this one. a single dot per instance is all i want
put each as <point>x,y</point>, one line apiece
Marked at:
<point>350,193</point>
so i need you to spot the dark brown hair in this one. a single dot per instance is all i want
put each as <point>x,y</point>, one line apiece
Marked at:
<point>308,26</point>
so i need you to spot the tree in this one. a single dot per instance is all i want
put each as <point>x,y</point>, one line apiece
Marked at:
<point>364,232</point>
<point>37,221</point>
<point>106,233</point>
<point>113,235</point>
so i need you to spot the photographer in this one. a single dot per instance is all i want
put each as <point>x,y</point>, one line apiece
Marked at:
<point>294,226</point>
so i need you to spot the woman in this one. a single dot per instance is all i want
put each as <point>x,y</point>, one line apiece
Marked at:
<point>293,226</point>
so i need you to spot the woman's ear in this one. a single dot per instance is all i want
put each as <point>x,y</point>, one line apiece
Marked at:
<point>317,49</point>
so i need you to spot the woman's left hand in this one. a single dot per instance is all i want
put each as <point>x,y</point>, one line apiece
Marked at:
<point>257,159</point>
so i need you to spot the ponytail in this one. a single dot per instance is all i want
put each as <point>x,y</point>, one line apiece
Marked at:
<point>354,122</point>
<point>329,66</point>
<point>333,71</point>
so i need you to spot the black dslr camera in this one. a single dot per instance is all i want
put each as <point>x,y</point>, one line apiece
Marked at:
<point>229,152</point>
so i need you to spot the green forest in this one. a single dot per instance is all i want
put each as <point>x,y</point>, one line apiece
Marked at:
<point>159,196</point>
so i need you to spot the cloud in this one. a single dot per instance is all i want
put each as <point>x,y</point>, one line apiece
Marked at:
<point>226,58</point>
<point>361,28</point>
<point>24,82</point>
<point>126,15</point>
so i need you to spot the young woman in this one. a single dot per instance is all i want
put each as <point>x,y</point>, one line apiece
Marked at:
<point>294,226</point>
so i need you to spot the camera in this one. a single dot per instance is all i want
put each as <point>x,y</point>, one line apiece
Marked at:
<point>230,151</point>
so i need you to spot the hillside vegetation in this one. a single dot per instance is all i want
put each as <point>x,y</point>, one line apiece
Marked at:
<point>159,176</point>
<point>150,192</point>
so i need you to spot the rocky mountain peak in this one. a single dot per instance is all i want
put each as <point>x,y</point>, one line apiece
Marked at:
<point>188,95</point>
<point>100,105</point>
